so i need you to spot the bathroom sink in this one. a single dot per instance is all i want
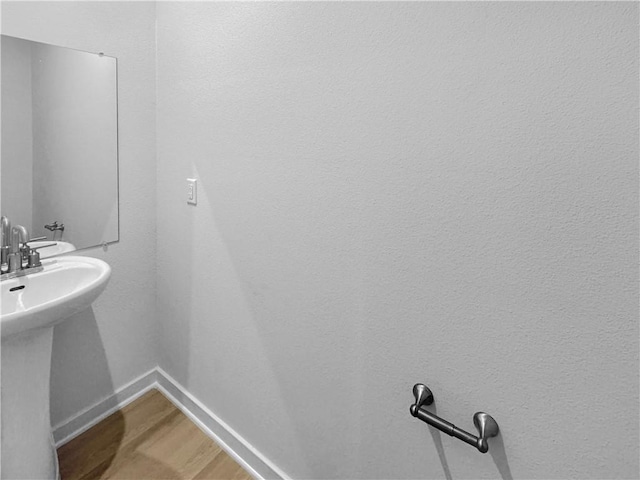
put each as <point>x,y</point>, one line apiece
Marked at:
<point>65,286</point>
<point>57,249</point>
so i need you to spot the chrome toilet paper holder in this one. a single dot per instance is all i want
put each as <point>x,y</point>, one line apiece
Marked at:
<point>485,424</point>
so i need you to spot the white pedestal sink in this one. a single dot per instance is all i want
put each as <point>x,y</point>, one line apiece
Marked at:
<point>31,306</point>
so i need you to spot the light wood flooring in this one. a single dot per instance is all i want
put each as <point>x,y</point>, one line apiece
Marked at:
<point>148,439</point>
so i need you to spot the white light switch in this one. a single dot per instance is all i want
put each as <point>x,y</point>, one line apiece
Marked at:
<point>192,191</point>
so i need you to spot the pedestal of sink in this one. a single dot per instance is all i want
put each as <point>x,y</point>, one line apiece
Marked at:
<point>28,451</point>
<point>32,304</point>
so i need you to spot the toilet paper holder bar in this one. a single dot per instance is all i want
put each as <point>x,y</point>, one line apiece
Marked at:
<point>485,424</point>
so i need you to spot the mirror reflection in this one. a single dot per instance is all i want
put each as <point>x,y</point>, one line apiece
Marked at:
<point>59,170</point>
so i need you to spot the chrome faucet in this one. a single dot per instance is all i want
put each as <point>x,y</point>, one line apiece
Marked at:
<point>18,258</point>
<point>6,240</point>
<point>19,234</point>
<point>52,227</point>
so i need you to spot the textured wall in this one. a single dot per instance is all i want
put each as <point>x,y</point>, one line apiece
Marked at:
<point>104,348</point>
<point>402,192</point>
<point>389,193</point>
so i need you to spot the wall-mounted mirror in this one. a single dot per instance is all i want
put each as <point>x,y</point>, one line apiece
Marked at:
<point>59,169</point>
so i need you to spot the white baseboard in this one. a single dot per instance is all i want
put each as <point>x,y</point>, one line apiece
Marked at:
<point>87,418</point>
<point>213,426</point>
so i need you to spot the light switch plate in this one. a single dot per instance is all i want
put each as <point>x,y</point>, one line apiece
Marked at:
<point>192,191</point>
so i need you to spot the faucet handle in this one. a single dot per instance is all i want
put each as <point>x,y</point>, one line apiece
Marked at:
<point>26,247</point>
<point>34,249</point>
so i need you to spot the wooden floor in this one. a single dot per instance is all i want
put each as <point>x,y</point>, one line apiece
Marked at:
<point>148,439</point>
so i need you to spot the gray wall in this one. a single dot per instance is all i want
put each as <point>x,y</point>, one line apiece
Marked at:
<point>17,137</point>
<point>104,348</point>
<point>401,192</point>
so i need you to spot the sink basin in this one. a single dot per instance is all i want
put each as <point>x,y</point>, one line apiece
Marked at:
<point>57,249</point>
<point>65,286</point>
